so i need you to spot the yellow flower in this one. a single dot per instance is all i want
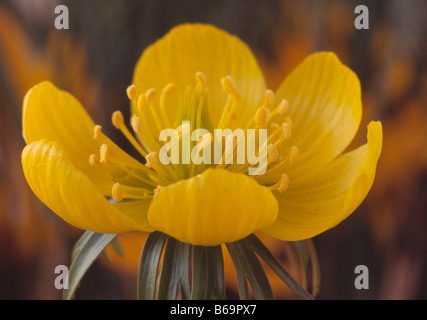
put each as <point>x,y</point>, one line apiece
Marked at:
<point>200,74</point>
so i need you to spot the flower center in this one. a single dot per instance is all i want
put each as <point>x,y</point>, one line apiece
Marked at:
<point>134,180</point>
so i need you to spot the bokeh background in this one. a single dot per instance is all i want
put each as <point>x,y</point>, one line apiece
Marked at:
<point>94,60</point>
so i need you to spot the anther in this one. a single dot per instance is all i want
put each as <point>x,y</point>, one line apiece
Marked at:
<point>150,93</point>
<point>117,192</point>
<point>151,158</point>
<point>287,131</point>
<point>93,160</point>
<point>283,107</point>
<point>201,78</point>
<point>261,117</point>
<point>272,153</point>
<point>135,122</point>
<point>170,88</point>
<point>97,131</point>
<point>183,131</point>
<point>117,119</point>
<point>104,153</point>
<point>293,155</point>
<point>269,98</point>
<point>229,87</point>
<point>282,184</point>
<point>131,92</point>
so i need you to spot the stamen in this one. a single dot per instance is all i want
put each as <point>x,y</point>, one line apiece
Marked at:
<point>117,192</point>
<point>283,107</point>
<point>294,155</point>
<point>282,184</point>
<point>287,131</point>
<point>117,119</point>
<point>151,158</point>
<point>158,117</point>
<point>97,132</point>
<point>104,154</point>
<point>201,78</point>
<point>119,123</point>
<point>280,110</point>
<point>261,117</point>
<point>183,131</point>
<point>229,87</point>
<point>272,153</point>
<point>135,122</point>
<point>150,93</point>
<point>94,160</point>
<point>168,90</point>
<point>269,98</point>
<point>131,92</point>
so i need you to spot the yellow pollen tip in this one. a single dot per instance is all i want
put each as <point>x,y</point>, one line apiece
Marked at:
<point>131,92</point>
<point>269,98</point>
<point>151,158</point>
<point>283,107</point>
<point>135,122</point>
<point>150,93</point>
<point>289,122</point>
<point>229,87</point>
<point>157,191</point>
<point>272,153</point>
<point>282,184</point>
<point>261,117</point>
<point>286,130</point>
<point>294,155</point>
<point>201,78</point>
<point>93,160</point>
<point>97,131</point>
<point>117,119</point>
<point>169,88</point>
<point>183,131</point>
<point>117,192</point>
<point>104,151</point>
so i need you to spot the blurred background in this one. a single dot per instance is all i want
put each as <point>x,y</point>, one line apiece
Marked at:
<point>94,60</point>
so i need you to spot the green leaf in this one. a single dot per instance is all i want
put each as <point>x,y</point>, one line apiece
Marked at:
<point>84,253</point>
<point>149,264</point>
<point>242,281</point>
<point>249,268</point>
<point>257,246</point>
<point>216,272</point>
<point>175,271</point>
<point>207,273</point>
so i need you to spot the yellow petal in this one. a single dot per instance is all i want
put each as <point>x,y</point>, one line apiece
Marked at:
<point>325,106</point>
<point>190,48</point>
<point>69,193</point>
<point>214,207</point>
<point>53,114</point>
<point>321,199</point>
